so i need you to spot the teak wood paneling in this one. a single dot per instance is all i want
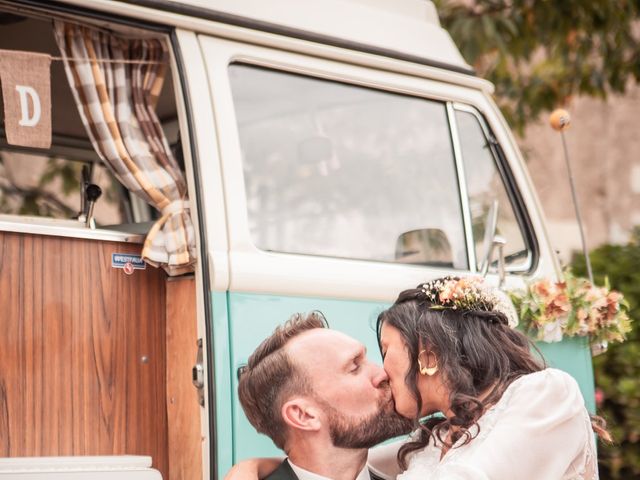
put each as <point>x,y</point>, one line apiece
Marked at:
<point>183,411</point>
<point>82,351</point>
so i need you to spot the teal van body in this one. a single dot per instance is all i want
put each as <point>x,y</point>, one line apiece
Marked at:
<point>252,317</point>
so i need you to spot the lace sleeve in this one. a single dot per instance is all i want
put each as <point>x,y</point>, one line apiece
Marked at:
<point>539,434</point>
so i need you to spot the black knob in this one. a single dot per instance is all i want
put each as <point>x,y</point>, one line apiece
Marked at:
<point>93,192</point>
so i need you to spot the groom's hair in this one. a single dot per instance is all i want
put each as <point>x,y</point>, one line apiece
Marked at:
<point>270,377</point>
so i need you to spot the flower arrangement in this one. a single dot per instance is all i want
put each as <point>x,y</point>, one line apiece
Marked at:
<point>469,293</point>
<point>572,307</point>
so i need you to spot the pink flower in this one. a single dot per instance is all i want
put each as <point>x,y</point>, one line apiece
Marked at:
<point>613,304</point>
<point>542,288</point>
<point>600,303</point>
<point>582,315</point>
<point>447,292</point>
<point>594,294</point>
<point>558,306</point>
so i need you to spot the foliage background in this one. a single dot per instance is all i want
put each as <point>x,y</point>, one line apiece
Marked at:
<point>540,54</point>
<point>616,371</point>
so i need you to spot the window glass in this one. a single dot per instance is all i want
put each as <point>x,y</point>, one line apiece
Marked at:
<point>43,186</point>
<point>345,171</point>
<point>486,192</point>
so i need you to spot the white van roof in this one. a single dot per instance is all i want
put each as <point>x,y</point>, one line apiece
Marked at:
<point>408,29</point>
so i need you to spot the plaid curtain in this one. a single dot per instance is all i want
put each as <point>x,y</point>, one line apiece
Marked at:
<point>116,100</point>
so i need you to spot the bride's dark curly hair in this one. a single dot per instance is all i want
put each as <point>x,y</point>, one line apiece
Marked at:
<point>477,352</point>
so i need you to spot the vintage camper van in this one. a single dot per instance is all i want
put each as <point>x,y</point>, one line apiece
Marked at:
<point>215,167</point>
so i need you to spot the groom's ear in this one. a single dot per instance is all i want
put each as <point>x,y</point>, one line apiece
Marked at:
<point>301,414</point>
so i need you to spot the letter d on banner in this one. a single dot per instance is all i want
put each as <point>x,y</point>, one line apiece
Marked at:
<point>26,91</point>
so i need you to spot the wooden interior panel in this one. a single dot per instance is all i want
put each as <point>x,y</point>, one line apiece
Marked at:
<point>82,351</point>
<point>183,411</point>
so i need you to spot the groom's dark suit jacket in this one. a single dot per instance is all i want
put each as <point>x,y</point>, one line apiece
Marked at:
<point>285,472</point>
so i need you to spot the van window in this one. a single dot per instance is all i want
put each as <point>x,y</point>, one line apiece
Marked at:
<point>41,185</point>
<point>486,191</point>
<point>48,182</point>
<point>346,171</point>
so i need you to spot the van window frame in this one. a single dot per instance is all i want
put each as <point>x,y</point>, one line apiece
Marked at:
<point>515,198</point>
<point>513,193</point>
<point>273,273</point>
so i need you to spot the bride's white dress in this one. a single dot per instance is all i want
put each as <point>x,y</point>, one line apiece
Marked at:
<point>538,430</point>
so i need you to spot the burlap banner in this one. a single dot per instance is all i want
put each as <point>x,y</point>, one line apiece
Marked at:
<point>26,91</point>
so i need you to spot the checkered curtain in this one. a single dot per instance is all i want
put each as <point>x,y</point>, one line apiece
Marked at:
<point>116,101</point>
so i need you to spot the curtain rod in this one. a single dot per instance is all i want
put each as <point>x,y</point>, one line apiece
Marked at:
<point>105,60</point>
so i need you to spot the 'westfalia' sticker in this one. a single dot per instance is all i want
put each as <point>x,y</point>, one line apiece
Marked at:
<point>127,262</point>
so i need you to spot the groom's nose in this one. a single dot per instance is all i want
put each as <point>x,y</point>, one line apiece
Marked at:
<point>380,377</point>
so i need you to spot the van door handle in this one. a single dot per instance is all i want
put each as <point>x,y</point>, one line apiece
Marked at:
<point>197,374</point>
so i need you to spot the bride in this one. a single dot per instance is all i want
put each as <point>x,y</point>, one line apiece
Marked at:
<point>483,406</point>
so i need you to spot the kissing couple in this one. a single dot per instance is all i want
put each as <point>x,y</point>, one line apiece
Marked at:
<point>480,405</point>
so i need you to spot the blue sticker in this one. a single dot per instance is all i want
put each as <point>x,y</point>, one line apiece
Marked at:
<point>127,261</point>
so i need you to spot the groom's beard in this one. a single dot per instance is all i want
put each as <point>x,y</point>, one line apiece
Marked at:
<point>366,431</point>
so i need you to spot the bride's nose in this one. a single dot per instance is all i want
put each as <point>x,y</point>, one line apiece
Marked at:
<point>379,376</point>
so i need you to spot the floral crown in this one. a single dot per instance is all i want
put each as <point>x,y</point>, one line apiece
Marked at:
<point>468,294</point>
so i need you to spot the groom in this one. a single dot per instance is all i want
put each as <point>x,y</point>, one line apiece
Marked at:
<point>315,394</point>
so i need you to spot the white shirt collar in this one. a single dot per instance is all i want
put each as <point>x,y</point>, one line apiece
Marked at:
<point>303,474</point>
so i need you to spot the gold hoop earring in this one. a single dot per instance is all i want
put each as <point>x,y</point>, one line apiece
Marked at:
<point>424,370</point>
